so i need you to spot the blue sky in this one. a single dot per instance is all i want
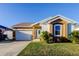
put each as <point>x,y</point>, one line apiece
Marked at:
<point>11,14</point>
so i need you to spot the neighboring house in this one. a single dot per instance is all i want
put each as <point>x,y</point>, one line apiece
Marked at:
<point>7,31</point>
<point>58,26</point>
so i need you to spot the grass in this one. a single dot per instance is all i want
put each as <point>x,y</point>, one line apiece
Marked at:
<point>54,49</point>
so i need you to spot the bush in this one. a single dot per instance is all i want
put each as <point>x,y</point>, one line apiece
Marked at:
<point>74,37</point>
<point>64,39</point>
<point>44,36</point>
<point>50,40</point>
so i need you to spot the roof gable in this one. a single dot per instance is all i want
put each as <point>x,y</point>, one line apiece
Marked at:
<point>23,25</point>
<point>55,18</point>
<point>62,18</point>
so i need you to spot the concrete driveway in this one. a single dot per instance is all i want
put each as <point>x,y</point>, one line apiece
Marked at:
<point>12,48</point>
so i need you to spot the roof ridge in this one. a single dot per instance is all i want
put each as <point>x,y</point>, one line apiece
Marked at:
<point>47,19</point>
<point>23,24</point>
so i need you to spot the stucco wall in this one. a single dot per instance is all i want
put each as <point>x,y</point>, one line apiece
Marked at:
<point>44,27</point>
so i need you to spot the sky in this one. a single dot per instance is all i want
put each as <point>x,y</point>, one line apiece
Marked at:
<point>14,13</point>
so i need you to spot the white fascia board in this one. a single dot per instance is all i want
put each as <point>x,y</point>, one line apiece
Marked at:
<point>22,29</point>
<point>22,26</point>
<point>60,16</point>
<point>68,19</point>
<point>44,20</point>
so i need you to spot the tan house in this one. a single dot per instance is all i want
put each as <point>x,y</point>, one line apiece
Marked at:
<point>58,26</point>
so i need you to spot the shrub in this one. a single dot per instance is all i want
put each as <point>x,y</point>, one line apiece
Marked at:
<point>44,36</point>
<point>74,37</point>
<point>64,39</point>
<point>50,39</point>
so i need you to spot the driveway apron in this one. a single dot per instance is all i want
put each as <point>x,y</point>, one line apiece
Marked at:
<point>12,48</point>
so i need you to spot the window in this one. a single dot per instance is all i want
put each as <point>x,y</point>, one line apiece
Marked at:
<point>39,31</point>
<point>57,29</point>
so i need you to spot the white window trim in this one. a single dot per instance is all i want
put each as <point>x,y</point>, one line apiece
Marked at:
<point>60,30</point>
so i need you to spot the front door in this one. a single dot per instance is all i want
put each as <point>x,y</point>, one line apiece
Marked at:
<point>57,30</point>
<point>37,33</point>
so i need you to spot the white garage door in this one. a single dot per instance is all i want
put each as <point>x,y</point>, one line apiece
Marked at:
<point>24,35</point>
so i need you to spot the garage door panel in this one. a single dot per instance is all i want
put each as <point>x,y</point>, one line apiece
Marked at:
<point>23,35</point>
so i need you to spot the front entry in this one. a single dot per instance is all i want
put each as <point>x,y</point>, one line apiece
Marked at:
<point>57,30</point>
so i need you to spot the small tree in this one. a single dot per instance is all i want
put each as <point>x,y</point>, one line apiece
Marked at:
<point>74,37</point>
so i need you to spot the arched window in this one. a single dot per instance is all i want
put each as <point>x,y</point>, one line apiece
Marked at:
<point>57,30</point>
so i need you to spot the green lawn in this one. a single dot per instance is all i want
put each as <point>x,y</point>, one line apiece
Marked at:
<point>54,49</point>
